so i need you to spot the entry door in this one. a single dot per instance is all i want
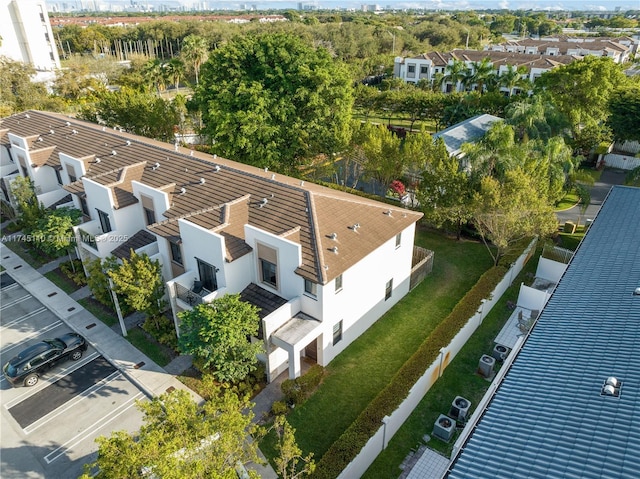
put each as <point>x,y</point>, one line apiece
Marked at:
<point>311,350</point>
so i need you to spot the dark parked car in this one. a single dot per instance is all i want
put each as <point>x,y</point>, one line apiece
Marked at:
<point>27,366</point>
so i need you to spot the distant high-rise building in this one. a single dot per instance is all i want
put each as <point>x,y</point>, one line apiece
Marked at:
<point>26,34</point>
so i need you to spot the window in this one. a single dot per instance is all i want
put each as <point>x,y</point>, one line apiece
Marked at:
<point>176,254</point>
<point>268,271</point>
<point>84,205</point>
<point>46,36</point>
<point>337,332</point>
<point>58,176</point>
<point>207,274</point>
<point>104,221</point>
<point>42,17</point>
<point>398,240</point>
<point>310,288</point>
<point>149,216</point>
<point>411,68</point>
<point>72,174</point>
<point>339,283</point>
<point>389,289</point>
<point>424,70</point>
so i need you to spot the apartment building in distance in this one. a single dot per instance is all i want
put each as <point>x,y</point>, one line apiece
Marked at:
<point>322,265</point>
<point>27,36</point>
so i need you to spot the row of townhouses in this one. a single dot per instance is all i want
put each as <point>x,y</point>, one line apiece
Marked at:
<point>536,56</point>
<point>322,265</point>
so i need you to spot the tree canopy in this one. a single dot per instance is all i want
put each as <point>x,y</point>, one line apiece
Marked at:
<point>625,113</point>
<point>272,100</point>
<point>217,334</point>
<point>181,440</point>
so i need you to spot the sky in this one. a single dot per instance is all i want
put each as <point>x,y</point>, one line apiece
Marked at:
<point>603,5</point>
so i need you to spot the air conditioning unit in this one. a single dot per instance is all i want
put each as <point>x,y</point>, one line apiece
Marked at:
<point>459,408</point>
<point>444,427</point>
<point>500,352</point>
<point>485,366</point>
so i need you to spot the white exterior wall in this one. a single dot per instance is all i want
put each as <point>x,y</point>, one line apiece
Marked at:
<point>198,242</point>
<point>239,273</point>
<point>7,166</point>
<point>289,284</point>
<point>78,167</point>
<point>160,199</point>
<point>24,34</point>
<point>361,301</point>
<point>550,270</point>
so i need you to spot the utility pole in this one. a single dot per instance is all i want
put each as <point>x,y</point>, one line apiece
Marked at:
<point>393,50</point>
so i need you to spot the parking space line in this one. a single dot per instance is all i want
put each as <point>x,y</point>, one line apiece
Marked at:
<point>15,301</point>
<point>69,404</point>
<point>52,379</point>
<point>52,456</point>
<point>24,318</point>
<point>10,287</point>
<point>47,328</point>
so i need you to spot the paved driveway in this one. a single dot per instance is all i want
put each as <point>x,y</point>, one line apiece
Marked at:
<point>599,192</point>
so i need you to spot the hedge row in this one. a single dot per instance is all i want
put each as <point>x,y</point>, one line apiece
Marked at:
<point>349,444</point>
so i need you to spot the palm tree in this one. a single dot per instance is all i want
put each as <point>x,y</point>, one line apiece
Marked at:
<point>513,77</point>
<point>482,71</point>
<point>174,70</point>
<point>153,72</point>
<point>454,73</point>
<point>195,52</point>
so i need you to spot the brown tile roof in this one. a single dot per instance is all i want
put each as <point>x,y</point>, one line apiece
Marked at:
<point>441,59</point>
<point>139,240</point>
<point>267,301</point>
<point>220,194</point>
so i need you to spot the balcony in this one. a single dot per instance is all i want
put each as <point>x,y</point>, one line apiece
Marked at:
<point>188,293</point>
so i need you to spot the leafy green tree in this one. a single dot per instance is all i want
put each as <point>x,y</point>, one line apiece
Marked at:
<point>514,77</point>
<point>98,281</point>
<point>31,211</point>
<point>536,118</point>
<point>180,439</point>
<point>509,210</point>
<point>55,231</point>
<point>273,101</point>
<point>454,73</point>
<point>290,463</point>
<point>195,52</point>
<point>624,121</point>
<point>139,281</point>
<point>138,112</point>
<point>445,191</point>
<point>581,90</point>
<point>174,70</point>
<point>217,333</point>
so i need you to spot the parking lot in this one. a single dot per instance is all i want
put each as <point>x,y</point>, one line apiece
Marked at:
<point>49,430</point>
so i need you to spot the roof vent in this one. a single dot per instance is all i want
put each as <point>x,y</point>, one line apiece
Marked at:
<point>128,143</point>
<point>611,387</point>
<point>40,138</point>
<point>175,147</point>
<point>156,166</point>
<point>27,116</point>
<point>636,292</point>
<point>191,153</point>
<point>217,168</point>
<point>68,123</point>
<point>273,176</point>
<point>202,181</point>
<point>114,152</point>
<point>104,128</point>
<point>183,190</point>
<point>263,202</point>
<point>215,156</point>
<point>388,212</point>
<point>51,131</point>
<point>302,183</point>
<point>266,169</point>
<point>326,267</point>
<point>74,132</point>
<point>97,160</point>
<point>355,227</point>
<point>333,236</point>
<point>334,249</point>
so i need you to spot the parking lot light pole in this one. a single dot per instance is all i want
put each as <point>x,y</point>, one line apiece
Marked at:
<point>117,304</point>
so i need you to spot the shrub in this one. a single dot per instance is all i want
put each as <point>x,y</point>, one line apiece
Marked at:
<point>296,391</point>
<point>279,408</point>
<point>77,276</point>
<point>162,329</point>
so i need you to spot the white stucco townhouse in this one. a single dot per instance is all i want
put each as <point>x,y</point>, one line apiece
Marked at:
<point>322,265</point>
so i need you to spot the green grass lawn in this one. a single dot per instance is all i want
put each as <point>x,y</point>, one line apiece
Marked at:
<point>459,379</point>
<point>99,311</point>
<point>33,258</point>
<point>64,284</point>
<point>428,126</point>
<point>138,338</point>
<point>358,374</point>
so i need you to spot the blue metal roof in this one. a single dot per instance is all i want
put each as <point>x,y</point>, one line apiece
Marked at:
<point>466,131</point>
<point>548,418</point>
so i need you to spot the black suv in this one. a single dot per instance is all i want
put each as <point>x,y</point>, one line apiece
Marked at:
<point>27,366</point>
